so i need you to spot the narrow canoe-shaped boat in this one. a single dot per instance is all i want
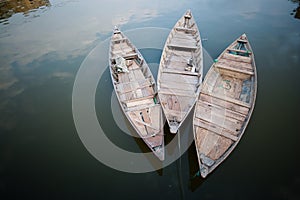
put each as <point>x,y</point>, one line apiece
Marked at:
<point>180,71</point>
<point>225,104</point>
<point>136,91</point>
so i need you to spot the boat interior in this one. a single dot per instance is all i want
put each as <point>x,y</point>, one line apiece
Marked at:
<point>133,80</point>
<point>181,70</point>
<point>224,104</point>
<point>136,91</point>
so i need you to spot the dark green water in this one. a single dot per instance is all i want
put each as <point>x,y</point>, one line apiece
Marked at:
<point>41,51</point>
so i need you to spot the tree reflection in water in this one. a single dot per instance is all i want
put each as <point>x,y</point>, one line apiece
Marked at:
<point>296,11</point>
<point>10,7</point>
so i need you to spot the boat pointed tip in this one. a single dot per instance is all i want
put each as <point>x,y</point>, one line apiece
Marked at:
<point>243,36</point>
<point>203,170</point>
<point>161,158</point>
<point>174,129</point>
<point>188,12</point>
<point>160,153</point>
<point>116,29</point>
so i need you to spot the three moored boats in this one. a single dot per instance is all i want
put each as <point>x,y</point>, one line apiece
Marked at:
<point>224,101</point>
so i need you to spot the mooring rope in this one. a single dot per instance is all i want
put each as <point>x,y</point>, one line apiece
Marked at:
<point>179,167</point>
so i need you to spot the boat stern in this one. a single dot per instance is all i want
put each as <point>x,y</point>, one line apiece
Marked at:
<point>173,129</point>
<point>159,152</point>
<point>174,126</point>
<point>203,170</point>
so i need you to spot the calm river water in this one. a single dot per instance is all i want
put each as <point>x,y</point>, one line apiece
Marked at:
<point>44,43</point>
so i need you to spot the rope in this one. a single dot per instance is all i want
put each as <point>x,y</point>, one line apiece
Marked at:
<point>179,167</point>
<point>197,174</point>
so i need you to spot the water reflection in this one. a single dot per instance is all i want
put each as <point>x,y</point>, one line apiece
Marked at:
<point>28,42</point>
<point>39,58</point>
<point>296,11</point>
<point>10,7</point>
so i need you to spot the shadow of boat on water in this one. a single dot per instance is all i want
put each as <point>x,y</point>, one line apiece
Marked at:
<point>155,162</point>
<point>195,179</point>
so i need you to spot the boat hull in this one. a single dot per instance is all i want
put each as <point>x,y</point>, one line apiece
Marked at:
<point>180,71</point>
<point>225,105</point>
<point>136,91</point>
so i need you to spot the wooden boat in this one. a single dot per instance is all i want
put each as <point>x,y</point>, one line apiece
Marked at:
<point>180,71</point>
<point>225,104</point>
<point>136,91</point>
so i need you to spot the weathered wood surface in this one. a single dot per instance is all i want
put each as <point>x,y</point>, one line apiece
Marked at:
<point>180,71</point>
<point>136,92</point>
<point>225,104</point>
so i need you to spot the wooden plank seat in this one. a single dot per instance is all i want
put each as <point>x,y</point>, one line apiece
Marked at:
<point>179,78</point>
<point>215,129</point>
<point>123,91</point>
<point>176,61</point>
<point>181,72</point>
<point>139,101</point>
<point>188,30</point>
<point>239,50</point>
<point>184,39</point>
<point>232,68</point>
<point>243,41</point>
<point>129,55</point>
<point>219,117</point>
<point>175,85</point>
<point>235,64</point>
<point>184,36</point>
<point>140,107</point>
<point>184,93</point>
<point>212,107</point>
<point>177,46</point>
<point>228,99</point>
<point>119,40</point>
<point>237,58</point>
<point>122,51</point>
<point>141,81</point>
<point>224,104</point>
